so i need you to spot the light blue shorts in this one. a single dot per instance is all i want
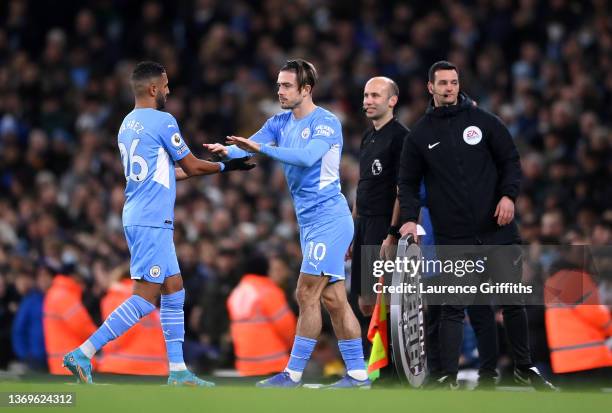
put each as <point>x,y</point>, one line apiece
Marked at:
<point>153,257</point>
<point>324,245</point>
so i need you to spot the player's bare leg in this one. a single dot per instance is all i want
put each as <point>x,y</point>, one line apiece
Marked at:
<point>343,319</point>
<point>308,294</point>
<point>172,284</point>
<point>147,290</point>
<point>348,331</point>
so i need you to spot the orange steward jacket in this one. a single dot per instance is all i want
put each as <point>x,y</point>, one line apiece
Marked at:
<point>66,322</point>
<point>262,326</point>
<point>577,325</point>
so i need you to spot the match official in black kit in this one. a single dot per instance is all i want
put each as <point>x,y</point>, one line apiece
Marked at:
<point>472,175</point>
<point>376,208</point>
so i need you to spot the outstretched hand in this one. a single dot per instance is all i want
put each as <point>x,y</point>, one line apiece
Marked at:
<point>244,144</point>
<point>238,164</point>
<point>216,149</point>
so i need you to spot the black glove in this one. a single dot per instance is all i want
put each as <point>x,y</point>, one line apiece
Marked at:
<point>239,164</point>
<point>215,157</point>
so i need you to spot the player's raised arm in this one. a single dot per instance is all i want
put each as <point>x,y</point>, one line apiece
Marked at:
<point>265,136</point>
<point>303,157</point>
<point>192,166</point>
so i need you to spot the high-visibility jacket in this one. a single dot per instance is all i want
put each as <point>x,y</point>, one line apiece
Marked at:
<point>140,350</point>
<point>577,325</point>
<point>262,326</point>
<point>66,322</point>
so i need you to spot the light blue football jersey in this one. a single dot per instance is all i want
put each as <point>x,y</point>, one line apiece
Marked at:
<point>315,189</point>
<point>150,142</point>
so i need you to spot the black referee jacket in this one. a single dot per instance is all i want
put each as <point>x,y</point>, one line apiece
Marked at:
<point>379,160</point>
<point>469,161</point>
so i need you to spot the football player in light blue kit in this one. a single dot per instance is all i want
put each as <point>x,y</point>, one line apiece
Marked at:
<point>150,142</point>
<point>307,140</point>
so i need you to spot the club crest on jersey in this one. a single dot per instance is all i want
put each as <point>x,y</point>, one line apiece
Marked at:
<point>155,271</point>
<point>472,135</point>
<point>376,167</point>
<point>305,133</point>
<point>176,139</point>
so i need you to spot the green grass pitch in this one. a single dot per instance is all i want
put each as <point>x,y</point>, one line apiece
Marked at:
<point>150,397</point>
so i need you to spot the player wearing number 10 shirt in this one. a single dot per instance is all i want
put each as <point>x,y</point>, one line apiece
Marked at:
<point>150,142</point>
<point>307,140</point>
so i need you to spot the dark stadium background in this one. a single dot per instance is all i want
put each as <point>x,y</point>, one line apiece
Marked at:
<point>545,67</point>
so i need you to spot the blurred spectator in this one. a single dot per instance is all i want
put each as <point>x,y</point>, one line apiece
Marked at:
<point>6,319</point>
<point>28,336</point>
<point>261,323</point>
<point>577,327</point>
<point>66,321</point>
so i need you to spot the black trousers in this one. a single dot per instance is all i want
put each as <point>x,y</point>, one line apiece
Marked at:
<point>482,319</point>
<point>370,232</point>
<point>504,265</point>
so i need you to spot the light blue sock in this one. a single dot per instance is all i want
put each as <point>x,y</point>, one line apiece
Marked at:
<point>300,354</point>
<point>173,326</point>
<point>119,321</point>
<point>352,354</point>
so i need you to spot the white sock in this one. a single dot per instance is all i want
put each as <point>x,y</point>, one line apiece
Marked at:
<point>360,375</point>
<point>295,375</point>
<point>177,366</point>
<point>88,349</point>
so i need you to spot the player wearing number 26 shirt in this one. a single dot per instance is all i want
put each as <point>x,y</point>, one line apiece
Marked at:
<point>150,142</point>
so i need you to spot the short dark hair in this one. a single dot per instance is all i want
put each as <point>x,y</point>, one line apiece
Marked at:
<point>304,71</point>
<point>147,70</point>
<point>441,65</point>
<point>255,263</point>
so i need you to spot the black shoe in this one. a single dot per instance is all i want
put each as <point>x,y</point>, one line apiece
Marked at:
<point>531,377</point>
<point>486,382</point>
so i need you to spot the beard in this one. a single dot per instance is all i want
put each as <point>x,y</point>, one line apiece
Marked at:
<point>160,101</point>
<point>291,104</point>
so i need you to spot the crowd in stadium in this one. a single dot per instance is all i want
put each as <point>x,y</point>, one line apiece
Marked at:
<point>544,66</point>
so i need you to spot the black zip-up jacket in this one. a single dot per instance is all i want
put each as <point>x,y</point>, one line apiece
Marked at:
<point>469,161</point>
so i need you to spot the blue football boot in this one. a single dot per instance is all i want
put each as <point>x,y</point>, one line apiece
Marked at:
<point>347,382</point>
<point>282,379</point>
<point>187,378</point>
<point>79,365</point>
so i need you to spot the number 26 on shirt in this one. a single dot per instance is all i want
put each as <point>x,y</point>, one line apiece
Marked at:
<point>134,166</point>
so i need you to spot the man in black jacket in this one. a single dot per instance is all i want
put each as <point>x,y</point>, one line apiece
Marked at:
<point>472,176</point>
<point>376,209</point>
